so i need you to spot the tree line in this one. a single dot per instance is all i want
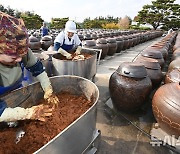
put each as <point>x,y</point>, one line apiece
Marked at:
<point>162,14</point>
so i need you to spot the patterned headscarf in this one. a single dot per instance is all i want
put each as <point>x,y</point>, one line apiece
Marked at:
<point>13,35</point>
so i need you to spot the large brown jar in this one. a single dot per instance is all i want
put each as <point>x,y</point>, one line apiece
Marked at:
<point>112,46</point>
<point>158,47</point>
<point>126,42</point>
<point>172,76</point>
<point>34,44</point>
<point>46,42</point>
<point>166,108</point>
<point>153,69</point>
<point>129,86</point>
<point>120,43</point>
<point>102,44</point>
<point>176,54</point>
<point>175,64</point>
<point>89,44</point>
<point>155,55</point>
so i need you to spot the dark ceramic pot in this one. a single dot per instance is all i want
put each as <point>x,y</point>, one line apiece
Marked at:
<point>175,64</point>
<point>34,44</point>
<point>129,86</point>
<point>126,42</point>
<point>102,44</point>
<point>81,37</point>
<point>176,54</point>
<point>112,46</point>
<point>166,107</point>
<point>155,55</point>
<point>158,47</point>
<point>153,69</point>
<point>46,42</point>
<point>94,36</point>
<point>89,44</point>
<point>120,44</point>
<point>87,36</point>
<point>172,76</point>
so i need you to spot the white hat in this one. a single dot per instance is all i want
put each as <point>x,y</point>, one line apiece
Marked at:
<point>70,27</point>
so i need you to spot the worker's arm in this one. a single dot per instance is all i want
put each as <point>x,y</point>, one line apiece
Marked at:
<point>38,112</point>
<point>38,71</point>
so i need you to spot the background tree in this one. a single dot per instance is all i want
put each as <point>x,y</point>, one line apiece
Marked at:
<point>161,13</point>
<point>111,25</point>
<point>58,23</point>
<point>3,9</point>
<point>32,20</point>
<point>101,22</point>
<point>124,23</point>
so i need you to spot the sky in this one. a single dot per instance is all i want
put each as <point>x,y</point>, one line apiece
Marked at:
<point>78,10</point>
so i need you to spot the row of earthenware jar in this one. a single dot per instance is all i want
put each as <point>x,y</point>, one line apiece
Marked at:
<point>166,100</point>
<point>36,45</point>
<point>131,84</point>
<point>109,42</point>
<point>112,45</point>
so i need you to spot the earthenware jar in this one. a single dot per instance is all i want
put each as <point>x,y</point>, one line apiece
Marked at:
<point>158,47</point>
<point>172,76</point>
<point>34,44</point>
<point>46,42</point>
<point>155,55</point>
<point>166,107</point>
<point>102,44</point>
<point>176,54</point>
<point>94,36</point>
<point>87,36</point>
<point>126,42</point>
<point>112,46</point>
<point>153,69</point>
<point>89,44</point>
<point>175,64</point>
<point>81,37</point>
<point>120,43</point>
<point>129,86</point>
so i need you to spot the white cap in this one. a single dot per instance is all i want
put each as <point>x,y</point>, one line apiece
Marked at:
<point>70,26</point>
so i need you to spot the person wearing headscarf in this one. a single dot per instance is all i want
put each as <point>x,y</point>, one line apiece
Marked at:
<point>14,55</point>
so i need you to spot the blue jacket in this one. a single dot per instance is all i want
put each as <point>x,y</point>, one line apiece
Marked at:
<point>44,31</point>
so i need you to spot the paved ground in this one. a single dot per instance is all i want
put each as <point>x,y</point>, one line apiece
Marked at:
<point>121,132</point>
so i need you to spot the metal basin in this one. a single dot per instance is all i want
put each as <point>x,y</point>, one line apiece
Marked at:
<point>84,68</point>
<point>75,138</point>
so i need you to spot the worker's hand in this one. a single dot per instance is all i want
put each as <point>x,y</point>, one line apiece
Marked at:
<point>40,112</point>
<point>48,90</point>
<point>78,50</point>
<point>78,57</point>
<point>65,53</point>
<point>50,97</point>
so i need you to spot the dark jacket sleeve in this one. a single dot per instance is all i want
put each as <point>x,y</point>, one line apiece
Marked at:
<point>57,46</point>
<point>32,64</point>
<point>3,105</point>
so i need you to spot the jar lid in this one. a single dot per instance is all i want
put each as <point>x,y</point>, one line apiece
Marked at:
<point>46,38</point>
<point>90,43</point>
<point>111,40</point>
<point>132,69</point>
<point>33,39</point>
<point>101,41</point>
<point>119,38</point>
<point>152,54</point>
<point>149,63</point>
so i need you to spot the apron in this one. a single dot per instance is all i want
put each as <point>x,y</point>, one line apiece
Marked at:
<point>16,85</point>
<point>67,47</point>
